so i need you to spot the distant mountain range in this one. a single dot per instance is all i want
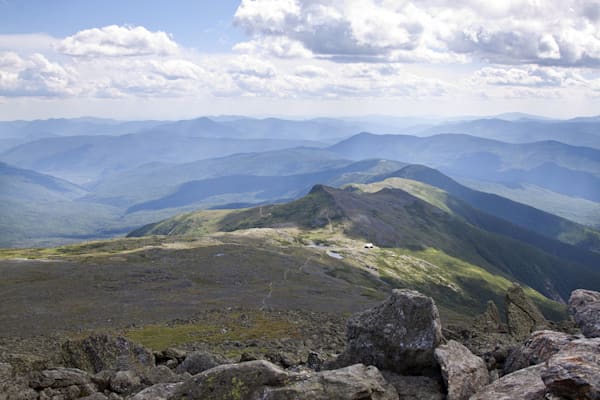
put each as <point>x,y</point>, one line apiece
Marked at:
<point>571,170</point>
<point>124,174</point>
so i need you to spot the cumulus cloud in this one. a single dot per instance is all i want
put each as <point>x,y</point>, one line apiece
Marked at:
<point>118,41</point>
<point>34,76</point>
<point>551,32</point>
<point>529,76</point>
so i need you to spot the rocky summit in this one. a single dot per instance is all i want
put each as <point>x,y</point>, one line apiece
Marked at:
<point>394,351</point>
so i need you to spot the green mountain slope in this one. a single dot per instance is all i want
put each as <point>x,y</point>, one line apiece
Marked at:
<point>527,217</point>
<point>393,218</point>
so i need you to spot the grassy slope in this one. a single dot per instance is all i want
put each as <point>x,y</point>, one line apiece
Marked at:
<point>395,219</point>
<point>582,211</point>
<point>493,224</point>
<point>530,218</point>
<point>151,280</point>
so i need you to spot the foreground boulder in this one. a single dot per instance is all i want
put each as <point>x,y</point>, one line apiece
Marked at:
<point>263,380</point>
<point>104,352</point>
<point>522,316</point>
<point>399,335</point>
<point>574,373</point>
<point>353,382</point>
<point>525,384</point>
<point>539,347</point>
<point>232,381</point>
<point>584,305</point>
<point>464,373</point>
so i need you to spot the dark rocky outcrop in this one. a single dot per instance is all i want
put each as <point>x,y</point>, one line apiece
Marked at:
<point>399,335</point>
<point>522,316</point>
<point>584,305</point>
<point>415,387</point>
<point>104,352</point>
<point>539,347</point>
<point>464,373</point>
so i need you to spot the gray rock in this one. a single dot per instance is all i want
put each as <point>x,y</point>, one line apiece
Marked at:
<point>415,387</point>
<point>125,382</point>
<point>102,379</point>
<point>464,373</point>
<point>95,396</point>
<point>398,335</point>
<point>6,372</point>
<point>539,347</point>
<point>199,361</point>
<point>489,320</point>
<point>585,307</point>
<point>353,382</point>
<point>59,378</point>
<point>161,391</point>
<point>105,352</point>
<point>525,384</point>
<point>231,381</point>
<point>9,391</point>
<point>161,374</point>
<point>314,361</point>
<point>522,316</point>
<point>574,373</point>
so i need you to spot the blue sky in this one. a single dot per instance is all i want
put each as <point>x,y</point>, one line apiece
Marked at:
<point>202,24</point>
<point>180,59</point>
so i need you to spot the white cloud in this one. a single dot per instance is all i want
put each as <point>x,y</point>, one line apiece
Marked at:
<point>550,32</point>
<point>34,76</point>
<point>118,41</point>
<point>532,76</point>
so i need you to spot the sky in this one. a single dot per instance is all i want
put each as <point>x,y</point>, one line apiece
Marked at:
<point>298,58</point>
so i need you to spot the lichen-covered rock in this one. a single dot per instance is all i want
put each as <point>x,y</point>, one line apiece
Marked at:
<point>105,352</point>
<point>94,396</point>
<point>584,305</point>
<point>125,382</point>
<point>539,347</point>
<point>464,373</point>
<point>6,372</point>
<point>522,316</point>
<point>59,378</point>
<point>574,373</point>
<point>398,335</point>
<point>160,391</point>
<point>161,374</point>
<point>353,382</point>
<point>525,384</point>
<point>199,361</point>
<point>489,320</point>
<point>415,387</point>
<point>12,388</point>
<point>231,381</point>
